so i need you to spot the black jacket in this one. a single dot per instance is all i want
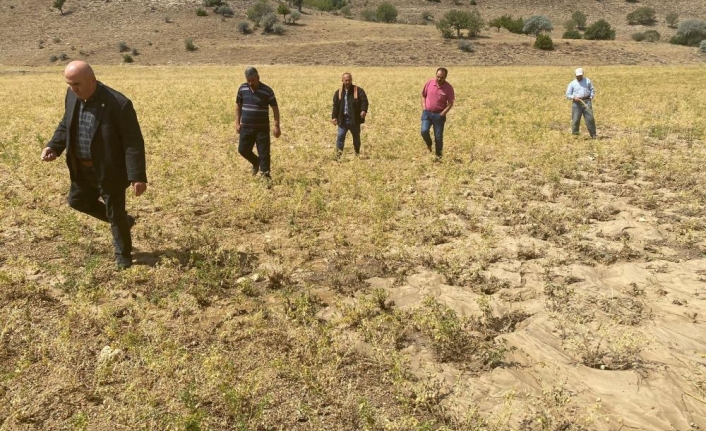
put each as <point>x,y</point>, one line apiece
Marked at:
<point>117,146</point>
<point>355,105</point>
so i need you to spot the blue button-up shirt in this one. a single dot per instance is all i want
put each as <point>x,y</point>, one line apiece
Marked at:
<point>582,89</point>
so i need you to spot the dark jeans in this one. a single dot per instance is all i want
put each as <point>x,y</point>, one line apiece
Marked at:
<point>435,119</point>
<point>577,110</point>
<point>349,125</point>
<point>260,137</point>
<point>85,195</point>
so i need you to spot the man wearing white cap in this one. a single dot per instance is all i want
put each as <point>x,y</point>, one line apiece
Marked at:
<point>581,92</point>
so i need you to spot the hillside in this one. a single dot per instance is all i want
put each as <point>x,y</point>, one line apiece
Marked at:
<point>33,32</point>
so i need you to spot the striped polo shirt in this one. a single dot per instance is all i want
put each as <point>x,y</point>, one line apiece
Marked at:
<point>255,106</point>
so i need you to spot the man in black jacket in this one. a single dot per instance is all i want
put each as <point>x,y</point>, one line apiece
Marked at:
<point>350,106</point>
<point>105,153</point>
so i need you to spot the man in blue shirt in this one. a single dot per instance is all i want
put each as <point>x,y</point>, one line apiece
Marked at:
<point>252,121</point>
<point>581,92</point>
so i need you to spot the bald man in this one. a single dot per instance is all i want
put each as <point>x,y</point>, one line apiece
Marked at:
<point>105,153</point>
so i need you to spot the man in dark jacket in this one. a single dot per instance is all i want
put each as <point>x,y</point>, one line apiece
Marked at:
<point>350,106</point>
<point>105,153</point>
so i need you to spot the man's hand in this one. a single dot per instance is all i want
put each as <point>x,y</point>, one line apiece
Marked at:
<point>334,121</point>
<point>48,154</point>
<point>237,128</point>
<point>276,131</point>
<point>139,187</point>
<point>363,114</point>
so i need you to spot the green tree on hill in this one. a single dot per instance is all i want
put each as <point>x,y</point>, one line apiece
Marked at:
<point>59,4</point>
<point>386,12</point>
<point>283,10</point>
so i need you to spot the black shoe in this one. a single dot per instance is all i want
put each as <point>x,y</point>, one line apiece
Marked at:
<point>255,169</point>
<point>123,262</point>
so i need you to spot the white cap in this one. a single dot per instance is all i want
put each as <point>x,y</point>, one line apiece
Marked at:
<point>579,72</point>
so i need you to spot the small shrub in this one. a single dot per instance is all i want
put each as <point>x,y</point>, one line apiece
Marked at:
<point>59,4</point>
<point>278,29</point>
<point>127,58</point>
<point>515,26</point>
<point>447,32</point>
<point>571,34</point>
<point>56,39</point>
<point>651,36</point>
<point>427,17</point>
<point>63,56</point>
<point>259,10</point>
<point>295,16</point>
<point>201,12</point>
<point>386,12</point>
<point>345,11</point>
<point>244,27</point>
<point>579,18</point>
<point>135,52</point>
<point>268,22</point>
<point>212,3</point>
<point>465,45</point>
<point>672,19</point>
<point>638,37</point>
<point>122,47</point>
<point>537,24</point>
<point>167,19</point>
<point>368,15</point>
<point>224,10</point>
<point>474,3</point>
<point>570,25</point>
<point>189,44</point>
<point>53,58</point>
<point>599,30</point>
<point>644,16</point>
<point>690,33</point>
<point>544,42</point>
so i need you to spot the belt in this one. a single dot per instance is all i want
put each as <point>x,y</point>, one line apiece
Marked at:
<point>85,162</point>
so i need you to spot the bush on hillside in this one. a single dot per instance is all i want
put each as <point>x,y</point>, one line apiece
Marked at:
<point>127,58</point>
<point>345,11</point>
<point>599,30</point>
<point>544,42</point>
<point>258,10</point>
<point>189,45</point>
<point>59,4</point>
<point>672,19</point>
<point>386,12</point>
<point>201,12</point>
<point>244,27</point>
<point>268,22</point>
<point>427,17</point>
<point>326,5</point>
<point>690,33</point>
<point>122,47</point>
<point>537,24</point>
<point>295,16</point>
<point>579,18</point>
<point>651,36</point>
<point>465,45</point>
<point>212,3</point>
<point>224,10</point>
<point>644,16</point>
<point>571,34</point>
<point>702,47</point>
<point>278,29</point>
<point>368,15</point>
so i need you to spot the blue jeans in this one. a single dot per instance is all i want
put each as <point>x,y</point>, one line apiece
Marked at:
<point>260,137</point>
<point>577,110</point>
<point>355,132</point>
<point>437,120</point>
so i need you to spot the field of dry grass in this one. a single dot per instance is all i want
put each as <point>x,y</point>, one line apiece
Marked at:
<point>532,280</point>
